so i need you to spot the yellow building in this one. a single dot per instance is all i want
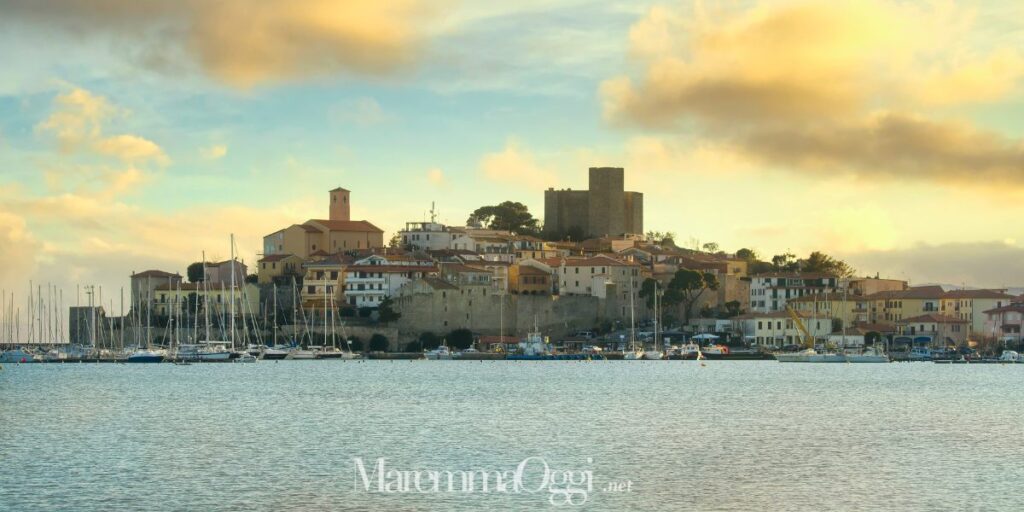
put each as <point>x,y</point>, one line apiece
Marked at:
<point>182,300</point>
<point>529,280</point>
<point>335,234</point>
<point>279,267</point>
<point>896,305</point>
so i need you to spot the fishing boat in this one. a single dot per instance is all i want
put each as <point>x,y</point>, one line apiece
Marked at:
<point>146,356</point>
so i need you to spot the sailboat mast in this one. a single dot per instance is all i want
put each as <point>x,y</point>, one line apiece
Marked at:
<point>206,300</point>
<point>231,297</point>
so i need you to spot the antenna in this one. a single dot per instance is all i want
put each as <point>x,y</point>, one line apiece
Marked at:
<point>433,213</point>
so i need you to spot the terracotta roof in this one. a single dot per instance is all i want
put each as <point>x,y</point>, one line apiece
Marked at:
<point>526,269</point>
<point>773,314</point>
<point>918,292</point>
<point>308,229</point>
<point>797,275</point>
<point>1016,308</point>
<point>275,257</point>
<point>339,188</point>
<point>977,294</point>
<point>391,269</point>
<point>599,261</point>
<point>465,269</point>
<point>931,317</point>
<point>347,225</point>
<point>438,284</point>
<point>154,273</point>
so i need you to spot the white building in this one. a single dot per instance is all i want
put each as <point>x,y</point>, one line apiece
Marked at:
<point>368,281</point>
<point>1006,323</point>
<point>777,328</point>
<point>429,236</point>
<point>770,292</point>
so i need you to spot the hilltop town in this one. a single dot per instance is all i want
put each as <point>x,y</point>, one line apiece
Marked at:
<point>589,271</point>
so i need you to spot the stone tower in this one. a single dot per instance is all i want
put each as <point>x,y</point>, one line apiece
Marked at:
<point>606,213</point>
<point>339,205</point>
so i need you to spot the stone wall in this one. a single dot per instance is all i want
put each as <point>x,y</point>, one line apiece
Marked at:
<point>482,311</point>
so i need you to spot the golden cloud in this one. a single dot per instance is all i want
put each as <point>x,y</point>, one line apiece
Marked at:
<point>815,85</point>
<point>77,123</point>
<point>244,43</point>
<point>516,166</point>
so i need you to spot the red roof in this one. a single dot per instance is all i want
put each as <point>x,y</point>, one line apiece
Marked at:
<point>977,294</point>
<point>931,317</point>
<point>155,273</point>
<point>391,268</point>
<point>599,261</point>
<point>275,257</point>
<point>347,225</point>
<point>917,292</point>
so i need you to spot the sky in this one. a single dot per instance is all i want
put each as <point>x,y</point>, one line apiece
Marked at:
<point>137,135</point>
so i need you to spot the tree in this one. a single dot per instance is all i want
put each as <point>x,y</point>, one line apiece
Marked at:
<point>820,262</point>
<point>647,290</point>
<point>748,255</point>
<point>785,262</point>
<point>396,241</point>
<point>355,344</point>
<point>710,247</point>
<point>507,216</point>
<point>386,312</point>
<point>429,341</point>
<point>378,343</point>
<point>195,272</point>
<point>252,279</point>
<point>686,288</point>
<point>365,312</point>
<point>460,339</point>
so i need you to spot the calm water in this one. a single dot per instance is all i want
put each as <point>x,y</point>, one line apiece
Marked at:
<point>730,436</point>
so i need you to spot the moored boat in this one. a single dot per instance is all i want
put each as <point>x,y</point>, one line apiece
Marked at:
<point>146,356</point>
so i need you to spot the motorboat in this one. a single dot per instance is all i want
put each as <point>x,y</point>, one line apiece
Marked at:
<point>16,355</point>
<point>654,355</point>
<point>809,356</point>
<point>868,355</point>
<point>212,351</point>
<point>1011,356</point>
<point>442,352</point>
<point>146,356</point>
<point>300,353</point>
<point>275,353</point>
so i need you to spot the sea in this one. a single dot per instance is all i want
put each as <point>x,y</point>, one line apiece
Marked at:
<point>511,435</point>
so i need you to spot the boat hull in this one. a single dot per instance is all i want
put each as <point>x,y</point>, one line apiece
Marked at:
<point>145,359</point>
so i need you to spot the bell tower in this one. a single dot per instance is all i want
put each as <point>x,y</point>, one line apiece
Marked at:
<point>340,205</point>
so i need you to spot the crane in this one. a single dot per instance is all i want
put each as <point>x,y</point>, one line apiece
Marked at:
<point>808,339</point>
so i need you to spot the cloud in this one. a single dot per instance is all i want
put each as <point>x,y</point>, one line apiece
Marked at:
<point>361,111</point>
<point>214,152</point>
<point>819,87</point>
<point>77,122</point>
<point>436,177</point>
<point>18,249</point>
<point>245,43</point>
<point>516,166</point>
<point>988,264</point>
<point>131,148</point>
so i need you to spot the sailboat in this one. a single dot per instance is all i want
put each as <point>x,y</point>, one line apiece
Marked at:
<point>633,354</point>
<point>147,355</point>
<point>655,353</point>
<point>208,350</point>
